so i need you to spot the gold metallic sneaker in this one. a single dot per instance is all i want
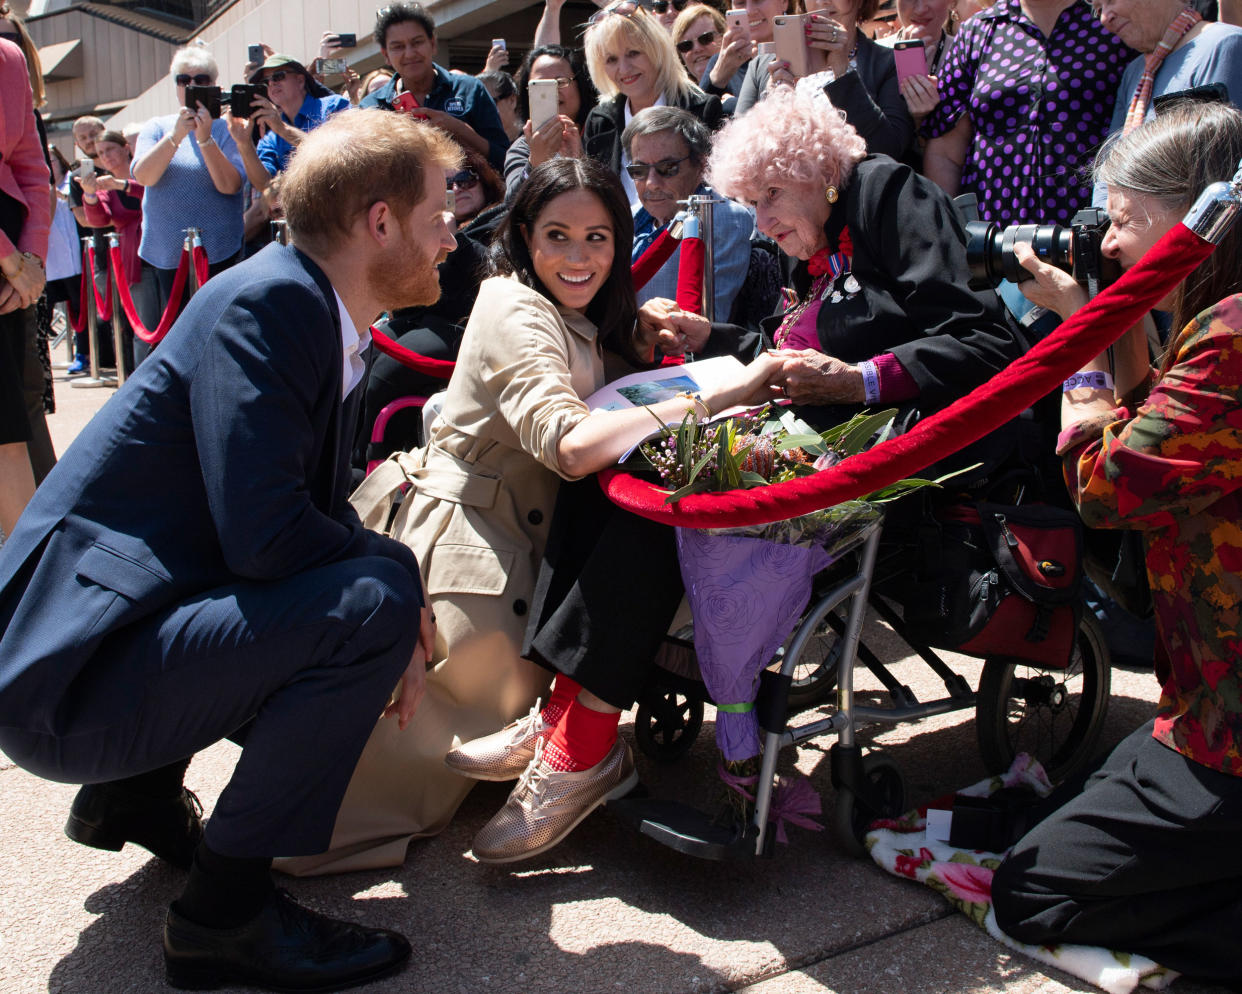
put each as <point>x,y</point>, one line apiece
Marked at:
<point>546,805</point>
<point>502,755</point>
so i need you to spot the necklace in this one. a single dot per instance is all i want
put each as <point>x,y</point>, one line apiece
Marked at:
<point>825,266</point>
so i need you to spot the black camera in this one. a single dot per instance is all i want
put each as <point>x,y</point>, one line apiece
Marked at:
<point>1076,249</point>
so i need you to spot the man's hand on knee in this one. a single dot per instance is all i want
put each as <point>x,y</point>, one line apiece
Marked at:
<point>414,679</point>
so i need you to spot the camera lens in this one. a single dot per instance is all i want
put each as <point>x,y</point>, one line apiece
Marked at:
<point>989,250</point>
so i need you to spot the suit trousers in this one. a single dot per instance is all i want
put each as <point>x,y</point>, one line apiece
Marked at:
<point>312,659</point>
<point>1146,859</point>
<point>608,588</point>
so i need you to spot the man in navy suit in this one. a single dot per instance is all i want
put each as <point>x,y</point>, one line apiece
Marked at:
<point>192,566</point>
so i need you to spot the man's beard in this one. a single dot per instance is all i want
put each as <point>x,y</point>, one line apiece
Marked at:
<point>404,276</point>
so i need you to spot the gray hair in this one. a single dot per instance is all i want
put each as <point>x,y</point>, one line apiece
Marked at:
<point>193,57</point>
<point>653,120</point>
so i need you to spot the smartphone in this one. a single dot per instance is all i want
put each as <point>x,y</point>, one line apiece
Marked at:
<point>766,48</point>
<point>346,40</point>
<point>911,59</point>
<point>86,168</point>
<point>739,21</point>
<point>332,67</point>
<point>405,102</point>
<point>255,55</point>
<point>208,96</point>
<point>499,43</point>
<point>241,98</point>
<point>789,34</point>
<point>541,95</point>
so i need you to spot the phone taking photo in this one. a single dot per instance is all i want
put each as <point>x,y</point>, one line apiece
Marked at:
<point>255,55</point>
<point>86,168</point>
<point>405,102</point>
<point>209,96</point>
<point>911,59</point>
<point>789,34</point>
<point>541,95</point>
<point>346,40</point>
<point>739,21</point>
<point>241,98</point>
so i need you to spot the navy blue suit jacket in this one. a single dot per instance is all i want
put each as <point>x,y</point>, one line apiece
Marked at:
<point>223,458</point>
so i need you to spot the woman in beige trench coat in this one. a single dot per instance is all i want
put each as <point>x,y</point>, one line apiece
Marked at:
<point>512,426</point>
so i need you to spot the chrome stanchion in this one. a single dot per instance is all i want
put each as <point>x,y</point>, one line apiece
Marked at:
<point>118,326</point>
<point>193,240</point>
<point>702,205</point>
<point>96,378</point>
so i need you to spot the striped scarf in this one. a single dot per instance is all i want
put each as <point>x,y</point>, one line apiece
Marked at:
<point>1184,21</point>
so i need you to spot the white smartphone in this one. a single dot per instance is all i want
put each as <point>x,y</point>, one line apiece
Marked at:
<point>86,168</point>
<point>789,34</point>
<point>739,21</point>
<point>499,43</point>
<point>541,94</point>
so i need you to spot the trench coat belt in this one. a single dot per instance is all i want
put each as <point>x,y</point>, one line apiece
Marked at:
<point>448,478</point>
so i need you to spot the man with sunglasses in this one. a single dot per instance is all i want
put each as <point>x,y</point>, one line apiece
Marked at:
<point>667,149</point>
<point>666,11</point>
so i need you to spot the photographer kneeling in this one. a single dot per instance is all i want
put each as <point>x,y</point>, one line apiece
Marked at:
<point>1145,858</point>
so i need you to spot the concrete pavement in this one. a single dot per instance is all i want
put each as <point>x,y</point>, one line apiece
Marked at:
<point>606,911</point>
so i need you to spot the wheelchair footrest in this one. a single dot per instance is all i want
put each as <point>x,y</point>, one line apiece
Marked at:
<point>684,828</point>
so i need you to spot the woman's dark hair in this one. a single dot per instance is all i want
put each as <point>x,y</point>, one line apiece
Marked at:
<point>402,12</point>
<point>587,96</point>
<point>489,179</point>
<point>499,84</point>
<point>614,309</point>
<point>1173,158</point>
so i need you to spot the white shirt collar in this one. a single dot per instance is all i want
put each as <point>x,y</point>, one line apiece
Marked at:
<point>353,367</point>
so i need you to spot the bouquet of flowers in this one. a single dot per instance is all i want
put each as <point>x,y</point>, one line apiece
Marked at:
<point>748,586</point>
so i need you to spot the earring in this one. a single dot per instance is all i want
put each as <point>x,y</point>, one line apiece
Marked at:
<point>831,195</point>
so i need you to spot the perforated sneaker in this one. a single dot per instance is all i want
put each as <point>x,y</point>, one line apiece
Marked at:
<point>546,805</point>
<point>502,755</point>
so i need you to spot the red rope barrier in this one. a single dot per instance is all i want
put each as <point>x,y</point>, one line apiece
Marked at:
<point>78,321</point>
<point>441,369</point>
<point>1015,388</point>
<point>690,275</point>
<point>102,308</point>
<point>201,272</point>
<point>657,254</point>
<point>174,298</point>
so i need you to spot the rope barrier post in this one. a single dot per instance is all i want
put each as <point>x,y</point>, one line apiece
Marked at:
<point>702,207</point>
<point>118,327</point>
<point>92,333</point>
<point>280,231</point>
<point>193,240</point>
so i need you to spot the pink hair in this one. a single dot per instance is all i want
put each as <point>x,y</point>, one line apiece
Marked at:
<point>786,136</point>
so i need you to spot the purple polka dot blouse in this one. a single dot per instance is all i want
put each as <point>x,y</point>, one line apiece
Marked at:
<point>1039,108</point>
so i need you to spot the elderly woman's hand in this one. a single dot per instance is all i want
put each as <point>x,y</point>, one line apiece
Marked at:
<point>1052,288</point>
<point>186,122</point>
<point>922,94</point>
<point>812,377</point>
<point>202,124</point>
<point>671,330</point>
<point>22,282</point>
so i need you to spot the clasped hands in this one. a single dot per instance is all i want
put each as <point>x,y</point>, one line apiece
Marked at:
<point>666,328</point>
<point>22,282</point>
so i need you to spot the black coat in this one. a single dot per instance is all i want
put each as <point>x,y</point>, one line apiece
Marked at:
<point>601,134</point>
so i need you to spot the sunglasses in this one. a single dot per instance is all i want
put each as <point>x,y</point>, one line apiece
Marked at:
<point>703,40</point>
<point>467,179</point>
<point>661,6</point>
<point>279,76</point>
<point>626,8</point>
<point>667,168</point>
<point>200,79</point>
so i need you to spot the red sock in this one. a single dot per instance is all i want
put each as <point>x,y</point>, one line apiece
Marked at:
<point>564,692</point>
<point>582,738</point>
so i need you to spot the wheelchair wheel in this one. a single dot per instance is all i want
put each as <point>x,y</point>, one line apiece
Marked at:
<point>1054,715</point>
<point>853,813</point>
<point>815,673</point>
<point>666,725</point>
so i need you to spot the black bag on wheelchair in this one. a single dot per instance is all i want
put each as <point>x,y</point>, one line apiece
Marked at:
<point>998,580</point>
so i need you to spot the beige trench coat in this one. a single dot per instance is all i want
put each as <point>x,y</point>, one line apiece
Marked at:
<point>485,488</point>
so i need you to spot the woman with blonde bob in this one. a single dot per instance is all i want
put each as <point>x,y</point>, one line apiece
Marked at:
<point>634,66</point>
<point>884,312</point>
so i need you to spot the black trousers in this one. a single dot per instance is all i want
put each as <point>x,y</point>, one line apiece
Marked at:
<point>1146,859</point>
<point>312,659</point>
<point>606,593</point>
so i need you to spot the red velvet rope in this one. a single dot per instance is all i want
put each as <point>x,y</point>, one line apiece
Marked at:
<point>690,275</point>
<point>657,254</point>
<point>201,272</point>
<point>174,298</point>
<point>441,369</point>
<point>78,320</point>
<point>103,308</point>
<point>1084,336</point>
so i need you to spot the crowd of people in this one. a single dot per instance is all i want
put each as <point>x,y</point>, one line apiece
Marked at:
<point>506,602</point>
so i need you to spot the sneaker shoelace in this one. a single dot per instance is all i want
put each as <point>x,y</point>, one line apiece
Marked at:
<point>534,779</point>
<point>523,727</point>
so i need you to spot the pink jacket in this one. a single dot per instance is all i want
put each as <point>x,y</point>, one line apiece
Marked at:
<point>23,169</point>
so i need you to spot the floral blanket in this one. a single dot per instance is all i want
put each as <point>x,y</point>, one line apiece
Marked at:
<point>901,846</point>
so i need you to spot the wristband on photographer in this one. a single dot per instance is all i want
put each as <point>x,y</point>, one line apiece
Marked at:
<point>1096,379</point>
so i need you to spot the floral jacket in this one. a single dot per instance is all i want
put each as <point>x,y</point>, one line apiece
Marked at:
<point>1173,469</point>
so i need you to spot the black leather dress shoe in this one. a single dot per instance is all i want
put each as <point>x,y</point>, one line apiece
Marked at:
<point>105,817</point>
<point>285,948</point>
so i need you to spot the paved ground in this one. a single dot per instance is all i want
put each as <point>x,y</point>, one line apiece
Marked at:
<point>607,911</point>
